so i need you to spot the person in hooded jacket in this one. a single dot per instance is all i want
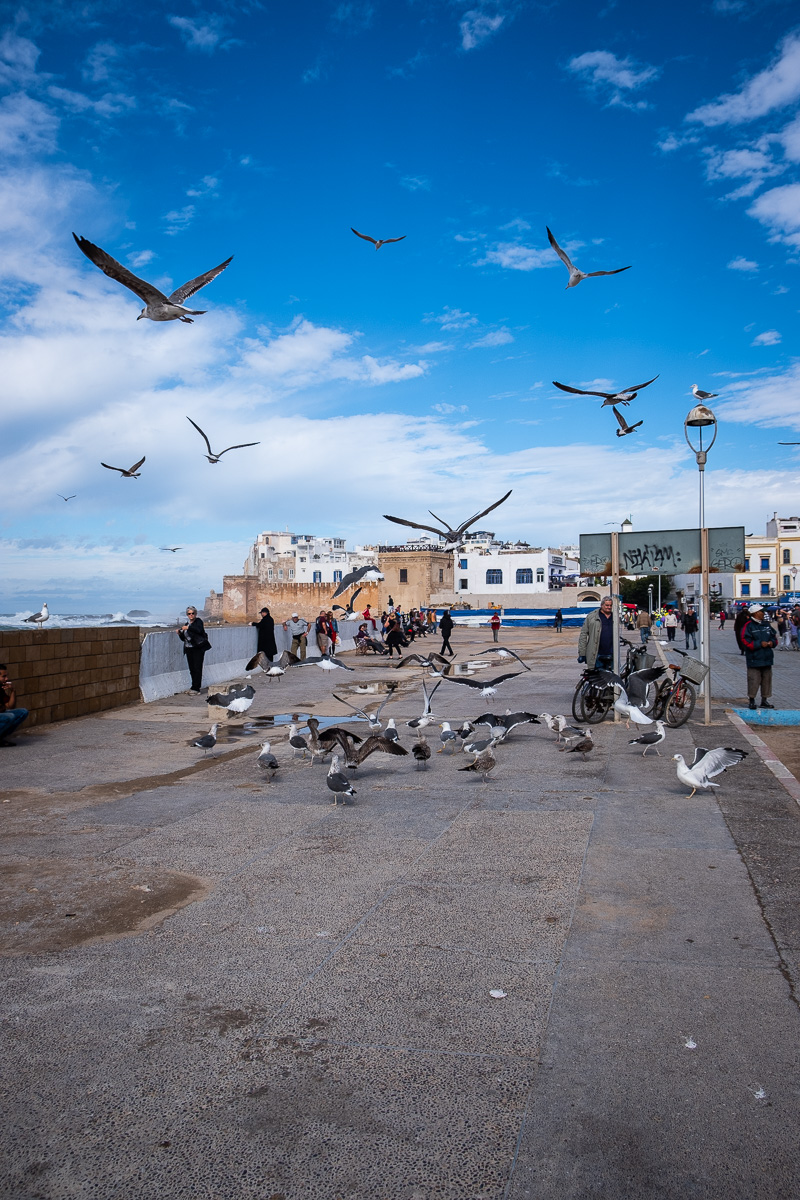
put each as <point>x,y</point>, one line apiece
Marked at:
<point>759,640</point>
<point>266,634</point>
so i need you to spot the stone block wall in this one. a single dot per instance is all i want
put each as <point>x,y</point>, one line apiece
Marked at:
<point>60,673</point>
<point>243,596</point>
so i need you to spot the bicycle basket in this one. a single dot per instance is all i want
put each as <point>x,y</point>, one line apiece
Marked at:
<point>693,670</point>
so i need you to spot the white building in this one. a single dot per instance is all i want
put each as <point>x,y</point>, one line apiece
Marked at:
<point>511,570</point>
<point>303,558</point>
<point>770,561</point>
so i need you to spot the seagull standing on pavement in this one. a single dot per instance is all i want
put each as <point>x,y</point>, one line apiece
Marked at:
<point>338,782</point>
<point>653,737</point>
<point>38,618</point>
<point>267,761</point>
<point>447,737</point>
<point>706,764</point>
<point>580,745</point>
<point>208,741</point>
<point>158,307</point>
<point>483,763</point>
<point>211,456</point>
<point>421,751</point>
<point>575,275</point>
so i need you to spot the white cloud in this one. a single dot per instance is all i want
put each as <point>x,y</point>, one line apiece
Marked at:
<point>518,224</point>
<point>750,163</point>
<point>779,210</point>
<point>26,126</point>
<point>770,337</point>
<point>742,264</point>
<point>109,105</point>
<point>772,88</point>
<point>670,142</point>
<point>789,138</point>
<point>141,258</point>
<point>415,183</point>
<point>763,398</point>
<point>516,257</point>
<point>203,32</point>
<point>179,219</point>
<point>452,318</point>
<point>495,337</point>
<point>614,78</point>
<point>18,58</point>
<point>476,26</point>
<point>446,409</point>
<point>99,61</point>
<point>432,348</point>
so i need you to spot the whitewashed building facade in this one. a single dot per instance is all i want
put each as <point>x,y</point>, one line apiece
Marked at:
<point>285,557</point>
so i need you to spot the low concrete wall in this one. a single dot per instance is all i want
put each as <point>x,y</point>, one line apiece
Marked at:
<point>61,673</point>
<point>164,672</point>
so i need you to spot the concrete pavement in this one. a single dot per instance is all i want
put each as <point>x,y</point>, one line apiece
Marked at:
<point>214,987</point>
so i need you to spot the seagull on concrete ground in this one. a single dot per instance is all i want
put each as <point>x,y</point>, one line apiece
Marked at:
<point>628,710</point>
<point>267,761</point>
<point>466,731</point>
<point>633,692</point>
<point>451,536</point>
<point>237,699</point>
<point>334,735</point>
<point>504,652</point>
<point>391,732</point>
<point>501,727</point>
<point>623,396</point>
<point>158,307</point>
<point>447,737</point>
<point>706,764</point>
<point>328,662</point>
<point>427,717</point>
<point>367,574</point>
<point>581,745</point>
<point>272,670</point>
<point>653,737</point>
<point>624,427</point>
<point>421,751</point>
<point>211,456</point>
<point>699,394</point>
<point>38,618</point>
<point>378,242</point>
<point>131,472</point>
<point>577,276</point>
<point>477,745</point>
<point>338,782</point>
<point>488,687</point>
<point>72,497</point>
<point>483,763</point>
<point>373,719</point>
<point>208,741</point>
<point>559,725</point>
<point>298,742</point>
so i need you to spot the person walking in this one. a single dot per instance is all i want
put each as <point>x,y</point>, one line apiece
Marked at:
<point>742,617</point>
<point>297,628</point>
<point>321,632</point>
<point>596,638</point>
<point>643,624</point>
<point>266,634</point>
<point>333,630</point>
<point>759,640</point>
<point>494,625</point>
<point>11,717</point>
<point>784,639</point>
<point>431,620</point>
<point>671,624</point>
<point>558,620</point>
<point>690,627</point>
<point>446,628</point>
<point>723,616</point>
<point>394,637</point>
<point>195,643</point>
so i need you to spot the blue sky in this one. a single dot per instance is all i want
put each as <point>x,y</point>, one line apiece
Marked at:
<point>418,376</point>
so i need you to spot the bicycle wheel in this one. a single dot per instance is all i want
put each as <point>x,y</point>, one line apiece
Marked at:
<point>576,702</point>
<point>595,703</point>
<point>680,705</point>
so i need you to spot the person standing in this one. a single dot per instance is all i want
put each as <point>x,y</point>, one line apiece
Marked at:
<point>333,630</point>
<point>643,624</point>
<point>742,617</point>
<point>297,628</point>
<point>367,615</point>
<point>446,628</point>
<point>321,632</point>
<point>558,620</point>
<point>494,625</point>
<point>11,717</point>
<point>759,640</point>
<point>596,638</point>
<point>266,634</point>
<point>690,627</point>
<point>195,643</point>
<point>431,620</point>
<point>671,624</point>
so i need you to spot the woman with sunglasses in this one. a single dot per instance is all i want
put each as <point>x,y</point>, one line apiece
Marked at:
<point>195,643</point>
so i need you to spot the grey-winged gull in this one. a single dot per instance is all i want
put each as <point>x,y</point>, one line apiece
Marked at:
<point>653,737</point>
<point>451,536</point>
<point>377,242</point>
<point>623,396</point>
<point>267,761</point>
<point>576,276</point>
<point>706,764</point>
<point>447,737</point>
<point>131,473</point>
<point>701,395</point>
<point>624,427</point>
<point>368,574</point>
<point>211,456</point>
<point>158,307</point>
<point>427,717</point>
<point>338,782</point>
<point>208,741</point>
<point>488,687</point>
<point>38,618</point>
<point>372,718</point>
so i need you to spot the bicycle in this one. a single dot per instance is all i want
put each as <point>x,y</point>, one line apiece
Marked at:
<point>593,698</point>
<point>675,698</point>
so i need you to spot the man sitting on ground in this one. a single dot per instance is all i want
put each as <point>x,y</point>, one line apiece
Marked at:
<point>11,717</point>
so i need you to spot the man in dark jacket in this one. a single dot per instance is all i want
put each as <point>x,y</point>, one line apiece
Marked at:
<point>690,627</point>
<point>759,640</point>
<point>446,628</point>
<point>266,634</point>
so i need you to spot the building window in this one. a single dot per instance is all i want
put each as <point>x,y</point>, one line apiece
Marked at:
<point>317,577</point>
<point>494,575</point>
<point>525,575</point>
<point>303,560</point>
<point>462,564</point>
<point>787,583</point>
<point>764,563</point>
<point>441,575</point>
<point>540,574</point>
<point>764,588</point>
<point>269,573</point>
<point>263,555</point>
<point>787,556</point>
<point>463,584</point>
<point>745,589</point>
<point>747,564</point>
<point>280,572</point>
<point>403,575</point>
<point>337,576</point>
<point>291,572</point>
<point>294,541</point>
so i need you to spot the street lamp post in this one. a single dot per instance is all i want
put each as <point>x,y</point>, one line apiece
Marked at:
<point>650,598</point>
<point>793,574</point>
<point>701,418</point>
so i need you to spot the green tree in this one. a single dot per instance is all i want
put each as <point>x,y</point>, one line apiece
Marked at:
<point>634,591</point>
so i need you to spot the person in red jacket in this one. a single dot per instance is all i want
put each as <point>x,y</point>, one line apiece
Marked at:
<point>494,625</point>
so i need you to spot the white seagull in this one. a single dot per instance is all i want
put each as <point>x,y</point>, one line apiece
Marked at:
<point>447,736</point>
<point>504,652</point>
<point>338,782</point>
<point>372,718</point>
<point>628,710</point>
<point>575,275</point>
<point>653,737</point>
<point>427,717</point>
<point>327,662</point>
<point>267,760</point>
<point>488,687</point>
<point>701,395</point>
<point>208,741</point>
<point>624,427</point>
<point>705,765</point>
<point>158,307</point>
<point>272,670</point>
<point>623,396</point>
<point>39,618</point>
<point>211,456</point>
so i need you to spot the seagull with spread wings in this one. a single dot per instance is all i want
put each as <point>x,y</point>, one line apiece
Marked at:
<point>706,765</point>
<point>504,652</point>
<point>348,613</point>
<point>623,396</point>
<point>157,306</point>
<point>487,688</point>
<point>377,242</point>
<point>451,536</point>
<point>624,427</point>
<point>171,549</point>
<point>577,276</point>
<point>66,497</point>
<point>131,472</point>
<point>368,574</point>
<point>372,718</point>
<point>211,456</point>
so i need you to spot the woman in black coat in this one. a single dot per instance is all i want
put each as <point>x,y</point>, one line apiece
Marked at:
<point>446,628</point>
<point>195,643</point>
<point>266,634</point>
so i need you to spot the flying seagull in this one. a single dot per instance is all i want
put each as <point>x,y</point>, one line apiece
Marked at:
<point>377,242</point>
<point>488,687</point>
<point>211,456</point>
<point>452,536</point>
<point>271,669</point>
<point>424,660</point>
<point>624,396</point>
<point>131,472</point>
<point>785,444</point>
<point>328,662</point>
<point>653,737</point>
<point>624,427</point>
<point>237,699</point>
<point>66,497</point>
<point>38,618</point>
<point>171,549</point>
<point>701,395</point>
<point>374,742</point>
<point>427,717</point>
<point>501,727</point>
<point>576,276</point>
<point>368,574</point>
<point>372,718</point>
<point>348,612</point>
<point>504,652</point>
<point>158,307</point>
<point>705,765</point>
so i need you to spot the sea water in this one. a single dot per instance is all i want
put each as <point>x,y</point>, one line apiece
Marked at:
<point>136,616</point>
